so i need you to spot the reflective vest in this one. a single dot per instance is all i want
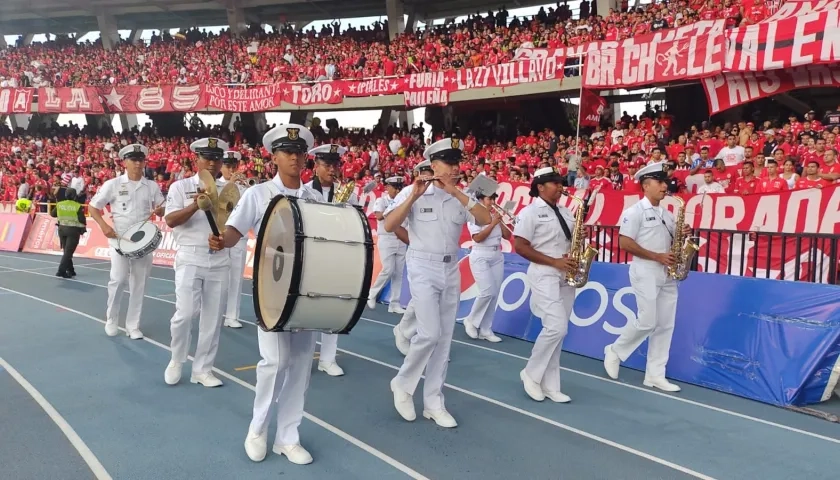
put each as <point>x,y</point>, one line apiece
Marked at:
<point>67,212</point>
<point>23,205</point>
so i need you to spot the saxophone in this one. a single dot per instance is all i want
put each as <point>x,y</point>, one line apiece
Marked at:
<point>344,192</point>
<point>683,249</point>
<point>581,252</point>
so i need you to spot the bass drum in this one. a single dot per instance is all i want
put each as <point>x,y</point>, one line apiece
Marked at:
<point>312,266</point>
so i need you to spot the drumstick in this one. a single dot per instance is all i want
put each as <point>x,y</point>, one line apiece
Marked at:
<point>205,204</point>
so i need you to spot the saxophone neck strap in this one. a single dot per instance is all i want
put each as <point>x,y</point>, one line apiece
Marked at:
<point>316,184</point>
<point>565,226</point>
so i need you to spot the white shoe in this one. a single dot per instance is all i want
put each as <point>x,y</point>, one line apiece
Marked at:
<point>611,362</point>
<point>232,323</point>
<point>491,337</point>
<point>172,375</point>
<point>111,329</point>
<point>662,384</point>
<point>135,334</point>
<point>295,453</point>
<point>470,329</point>
<point>558,397</point>
<point>532,388</point>
<point>395,308</point>
<point>441,417</point>
<point>207,379</point>
<point>403,402</point>
<point>332,369</point>
<point>371,303</point>
<point>256,446</point>
<point>402,342</point>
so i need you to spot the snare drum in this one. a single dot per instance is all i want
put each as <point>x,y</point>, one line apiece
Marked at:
<point>139,240</point>
<point>312,266</point>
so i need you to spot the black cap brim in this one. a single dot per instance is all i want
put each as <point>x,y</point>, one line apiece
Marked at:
<point>287,145</point>
<point>660,176</point>
<point>328,158</point>
<point>136,156</point>
<point>210,153</point>
<point>451,156</point>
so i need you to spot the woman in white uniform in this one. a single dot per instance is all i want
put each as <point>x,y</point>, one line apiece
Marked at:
<point>391,250</point>
<point>488,267</point>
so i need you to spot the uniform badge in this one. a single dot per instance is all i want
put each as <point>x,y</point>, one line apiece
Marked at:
<point>427,210</point>
<point>333,148</point>
<point>138,149</point>
<point>293,133</point>
<point>212,143</point>
<point>231,155</point>
<point>650,219</point>
<point>456,143</point>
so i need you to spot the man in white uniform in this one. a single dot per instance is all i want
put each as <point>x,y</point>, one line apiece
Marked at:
<point>284,371</point>
<point>487,263</point>
<point>238,252</point>
<point>407,327</point>
<point>133,199</point>
<point>436,211</point>
<point>391,250</point>
<point>646,232</point>
<point>198,271</point>
<point>327,162</point>
<point>543,235</point>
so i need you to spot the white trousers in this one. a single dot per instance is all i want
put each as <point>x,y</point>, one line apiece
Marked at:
<point>135,273</point>
<point>551,300</point>
<point>283,376</point>
<point>198,273</point>
<point>408,322</point>
<point>238,256</point>
<point>436,288</point>
<point>392,256</point>
<point>656,299</point>
<point>329,348</point>
<point>488,268</point>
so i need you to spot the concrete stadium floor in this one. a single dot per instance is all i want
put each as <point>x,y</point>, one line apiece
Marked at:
<point>98,406</point>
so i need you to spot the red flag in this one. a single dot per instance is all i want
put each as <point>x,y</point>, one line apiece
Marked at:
<point>591,107</point>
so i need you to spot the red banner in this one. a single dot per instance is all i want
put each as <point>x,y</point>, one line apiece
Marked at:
<point>13,230</point>
<point>420,89</point>
<point>731,89</point>
<point>803,36</point>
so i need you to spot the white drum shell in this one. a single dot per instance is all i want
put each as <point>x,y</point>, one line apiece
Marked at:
<point>129,249</point>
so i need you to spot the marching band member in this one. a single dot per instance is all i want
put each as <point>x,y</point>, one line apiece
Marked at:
<point>488,268</point>
<point>198,271</point>
<point>391,250</point>
<point>436,211</point>
<point>133,199</point>
<point>284,371</point>
<point>407,326</point>
<point>238,252</point>
<point>327,161</point>
<point>646,232</point>
<point>543,235</point>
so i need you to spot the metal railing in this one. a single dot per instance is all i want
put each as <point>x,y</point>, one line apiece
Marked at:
<point>800,257</point>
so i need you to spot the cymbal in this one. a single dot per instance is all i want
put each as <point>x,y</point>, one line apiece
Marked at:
<point>208,183</point>
<point>228,198</point>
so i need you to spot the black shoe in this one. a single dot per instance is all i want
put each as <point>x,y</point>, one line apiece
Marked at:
<point>72,274</point>
<point>63,275</point>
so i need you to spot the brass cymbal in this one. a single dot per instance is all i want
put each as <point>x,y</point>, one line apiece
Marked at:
<point>208,183</point>
<point>228,198</point>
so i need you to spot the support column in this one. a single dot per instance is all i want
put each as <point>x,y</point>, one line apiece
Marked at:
<point>411,23</point>
<point>27,39</point>
<point>236,19</point>
<point>603,6</point>
<point>108,30</point>
<point>227,118</point>
<point>136,36</point>
<point>396,20</point>
<point>301,117</point>
<point>128,121</point>
<point>3,41</point>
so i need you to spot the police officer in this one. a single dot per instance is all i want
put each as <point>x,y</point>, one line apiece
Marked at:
<point>284,371</point>
<point>646,232</point>
<point>198,270</point>
<point>71,225</point>
<point>238,252</point>
<point>391,250</point>
<point>436,211</point>
<point>327,162</point>
<point>133,198</point>
<point>487,264</point>
<point>542,235</point>
<point>23,205</point>
<point>407,326</point>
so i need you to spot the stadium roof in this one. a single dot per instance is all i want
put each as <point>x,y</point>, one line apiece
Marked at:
<point>19,17</point>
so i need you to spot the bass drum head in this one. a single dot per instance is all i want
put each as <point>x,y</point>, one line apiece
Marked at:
<point>276,264</point>
<point>139,237</point>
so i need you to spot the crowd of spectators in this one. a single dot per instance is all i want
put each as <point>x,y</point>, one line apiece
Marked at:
<point>734,158</point>
<point>195,56</point>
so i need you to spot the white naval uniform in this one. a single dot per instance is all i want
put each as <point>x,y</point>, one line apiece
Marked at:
<point>329,341</point>
<point>656,293</point>
<point>131,202</point>
<point>551,299</point>
<point>285,368</point>
<point>435,222</point>
<point>238,255</point>
<point>391,255</point>
<point>199,273</point>
<point>488,268</point>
